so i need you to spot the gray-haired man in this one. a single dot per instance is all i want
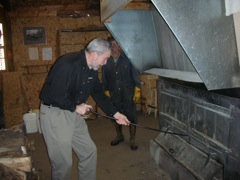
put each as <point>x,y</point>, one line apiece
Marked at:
<point>72,79</point>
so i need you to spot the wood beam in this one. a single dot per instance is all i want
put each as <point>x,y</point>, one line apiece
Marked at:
<point>136,5</point>
<point>48,11</point>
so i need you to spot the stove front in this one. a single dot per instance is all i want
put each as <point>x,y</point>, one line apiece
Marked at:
<point>208,146</point>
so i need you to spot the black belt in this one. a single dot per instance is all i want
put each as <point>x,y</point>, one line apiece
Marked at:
<point>46,104</point>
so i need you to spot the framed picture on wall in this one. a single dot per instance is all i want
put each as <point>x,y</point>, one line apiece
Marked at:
<point>34,35</point>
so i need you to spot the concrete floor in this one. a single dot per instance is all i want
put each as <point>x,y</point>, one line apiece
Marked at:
<point>118,162</point>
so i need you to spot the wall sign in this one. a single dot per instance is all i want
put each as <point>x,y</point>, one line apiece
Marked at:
<point>33,53</point>
<point>34,35</point>
<point>47,53</point>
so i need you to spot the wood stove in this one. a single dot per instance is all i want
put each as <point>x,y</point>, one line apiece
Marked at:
<point>192,42</point>
<point>212,148</point>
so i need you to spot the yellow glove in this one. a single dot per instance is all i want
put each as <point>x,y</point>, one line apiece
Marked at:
<point>137,95</point>
<point>107,93</point>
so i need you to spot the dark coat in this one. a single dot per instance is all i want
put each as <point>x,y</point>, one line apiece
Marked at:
<point>120,79</point>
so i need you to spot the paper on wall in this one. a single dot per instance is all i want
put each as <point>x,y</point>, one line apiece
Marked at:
<point>33,53</point>
<point>47,53</point>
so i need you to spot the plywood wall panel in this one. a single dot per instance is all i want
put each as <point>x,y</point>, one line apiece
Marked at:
<point>32,85</point>
<point>75,41</point>
<point>12,99</point>
<point>148,90</point>
<point>70,48</point>
<point>33,72</point>
<point>52,26</point>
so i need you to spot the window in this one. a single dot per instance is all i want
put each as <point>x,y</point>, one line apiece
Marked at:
<point>2,55</point>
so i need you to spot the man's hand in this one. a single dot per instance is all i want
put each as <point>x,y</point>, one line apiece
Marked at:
<point>83,108</point>
<point>121,119</point>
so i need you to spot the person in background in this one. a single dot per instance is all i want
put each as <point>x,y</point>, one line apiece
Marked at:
<point>122,84</point>
<point>72,79</point>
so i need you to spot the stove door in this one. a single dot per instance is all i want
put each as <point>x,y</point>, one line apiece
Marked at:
<point>181,160</point>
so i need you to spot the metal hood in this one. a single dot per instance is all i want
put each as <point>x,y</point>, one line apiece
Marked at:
<point>187,40</point>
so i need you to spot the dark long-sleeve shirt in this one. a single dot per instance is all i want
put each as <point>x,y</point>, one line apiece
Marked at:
<point>70,82</point>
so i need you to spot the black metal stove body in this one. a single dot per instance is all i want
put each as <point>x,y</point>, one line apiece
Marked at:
<point>212,121</point>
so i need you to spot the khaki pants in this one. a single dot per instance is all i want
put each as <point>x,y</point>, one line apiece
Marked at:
<point>63,132</point>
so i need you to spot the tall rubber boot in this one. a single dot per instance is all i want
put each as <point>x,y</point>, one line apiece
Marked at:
<point>133,144</point>
<point>119,138</point>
